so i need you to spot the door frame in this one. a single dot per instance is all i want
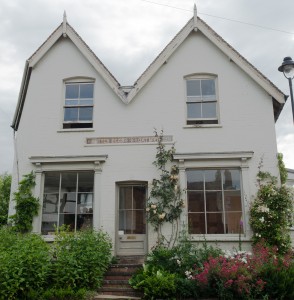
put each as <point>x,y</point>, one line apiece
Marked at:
<point>119,184</point>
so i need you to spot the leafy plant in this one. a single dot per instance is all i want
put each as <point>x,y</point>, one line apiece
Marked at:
<point>165,204</point>
<point>5,183</point>
<point>81,259</point>
<point>27,206</point>
<point>271,213</point>
<point>24,264</point>
<point>154,283</point>
<point>282,169</point>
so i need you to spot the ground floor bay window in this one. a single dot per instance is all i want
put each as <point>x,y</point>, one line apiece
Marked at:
<point>67,200</point>
<point>214,201</point>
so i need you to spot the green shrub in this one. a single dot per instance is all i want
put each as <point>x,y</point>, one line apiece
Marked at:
<point>154,283</point>
<point>64,294</point>
<point>81,259</point>
<point>24,264</point>
<point>5,183</point>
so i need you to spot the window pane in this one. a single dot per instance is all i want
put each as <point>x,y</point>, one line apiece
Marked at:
<point>49,223</point>
<point>196,223</point>
<point>85,203</point>
<point>125,197</point>
<point>86,182</point>
<point>195,201</point>
<point>232,201</point>
<point>214,201</point>
<point>195,180</point>
<point>85,113</point>
<point>209,110</point>
<point>193,88</point>
<point>194,110</point>
<point>233,220</point>
<point>213,180</point>
<point>208,89</point>
<point>68,202</point>
<point>86,90</point>
<point>67,219</point>
<point>70,114</point>
<point>139,194</point>
<point>51,184</point>
<point>215,223</point>
<point>84,222</point>
<point>231,179</point>
<point>139,227</point>
<point>50,203</point>
<point>125,221</point>
<point>72,91</point>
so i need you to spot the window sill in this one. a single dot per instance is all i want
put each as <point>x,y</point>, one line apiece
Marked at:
<point>76,130</point>
<point>203,126</point>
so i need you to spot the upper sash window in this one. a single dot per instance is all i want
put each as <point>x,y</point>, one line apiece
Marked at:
<point>78,106</point>
<point>201,101</point>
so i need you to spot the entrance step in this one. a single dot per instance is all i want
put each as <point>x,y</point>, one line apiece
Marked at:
<point>116,279</point>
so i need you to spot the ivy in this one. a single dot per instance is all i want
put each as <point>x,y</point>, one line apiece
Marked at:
<point>27,206</point>
<point>165,204</point>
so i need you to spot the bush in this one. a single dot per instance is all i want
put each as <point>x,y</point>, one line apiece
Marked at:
<point>24,264</point>
<point>5,183</point>
<point>81,259</point>
<point>154,283</point>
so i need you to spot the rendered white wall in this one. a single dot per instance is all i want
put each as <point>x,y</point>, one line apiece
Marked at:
<point>246,117</point>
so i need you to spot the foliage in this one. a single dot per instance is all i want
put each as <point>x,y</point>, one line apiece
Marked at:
<point>24,264</point>
<point>165,204</point>
<point>27,206</point>
<point>81,259</point>
<point>5,183</point>
<point>247,276</point>
<point>179,261</point>
<point>154,283</point>
<point>271,213</point>
<point>59,294</point>
<point>282,169</point>
<point>32,269</point>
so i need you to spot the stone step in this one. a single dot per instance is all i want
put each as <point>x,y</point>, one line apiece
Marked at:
<point>113,297</point>
<point>119,292</point>
<point>116,283</point>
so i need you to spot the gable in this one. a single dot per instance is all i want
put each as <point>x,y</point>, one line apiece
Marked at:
<point>65,31</point>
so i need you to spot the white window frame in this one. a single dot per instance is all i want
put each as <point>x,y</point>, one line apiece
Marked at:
<point>78,124</point>
<point>43,164</point>
<point>218,160</point>
<point>202,120</point>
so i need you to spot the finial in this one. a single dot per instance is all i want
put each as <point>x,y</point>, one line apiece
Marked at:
<point>195,17</point>
<point>64,24</point>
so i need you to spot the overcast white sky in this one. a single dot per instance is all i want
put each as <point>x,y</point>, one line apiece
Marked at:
<point>127,35</point>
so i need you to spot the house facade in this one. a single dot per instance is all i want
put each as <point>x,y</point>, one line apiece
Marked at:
<point>90,141</point>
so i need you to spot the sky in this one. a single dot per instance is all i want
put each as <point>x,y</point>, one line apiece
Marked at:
<point>127,35</point>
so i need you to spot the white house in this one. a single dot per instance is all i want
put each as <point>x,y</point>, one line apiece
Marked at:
<point>90,140</point>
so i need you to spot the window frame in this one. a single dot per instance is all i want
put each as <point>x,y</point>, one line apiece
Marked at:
<point>76,193</point>
<point>223,212</point>
<point>77,124</point>
<point>202,120</point>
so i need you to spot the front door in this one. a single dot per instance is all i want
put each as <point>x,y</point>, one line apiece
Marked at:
<point>131,235</point>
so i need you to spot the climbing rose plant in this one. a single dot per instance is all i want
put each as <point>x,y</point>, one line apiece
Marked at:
<point>165,204</point>
<point>271,213</point>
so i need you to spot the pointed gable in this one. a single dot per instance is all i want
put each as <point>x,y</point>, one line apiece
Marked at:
<point>64,30</point>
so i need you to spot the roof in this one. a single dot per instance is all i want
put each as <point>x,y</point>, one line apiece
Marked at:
<point>64,30</point>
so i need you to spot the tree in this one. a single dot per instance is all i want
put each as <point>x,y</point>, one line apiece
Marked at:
<point>5,183</point>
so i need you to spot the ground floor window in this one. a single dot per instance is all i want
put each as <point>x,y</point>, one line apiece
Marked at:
<point>214,201</point>
<point>67,199</point>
